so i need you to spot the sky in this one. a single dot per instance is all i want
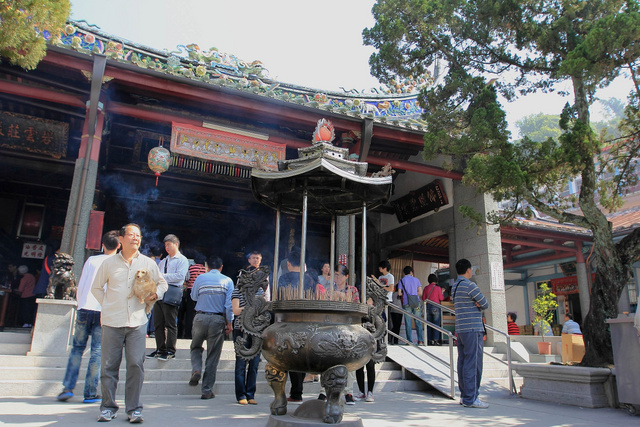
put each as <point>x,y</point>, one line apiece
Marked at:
<point>316,44</point>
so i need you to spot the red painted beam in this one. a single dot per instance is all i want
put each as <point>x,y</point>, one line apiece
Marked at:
<point>534,260</point>
<point>158,116</point>
<point>163,117</point>
<point>40,93</point>
<point>537,245</point>
<point>416,167</point>
<point>399,136</point>
<point>537,233</point>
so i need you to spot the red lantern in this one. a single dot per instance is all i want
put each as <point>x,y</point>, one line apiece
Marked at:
<point>159,159</point>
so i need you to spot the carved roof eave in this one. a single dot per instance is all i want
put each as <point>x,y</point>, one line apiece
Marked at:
<point>332,190</point>
<point>392,110</point>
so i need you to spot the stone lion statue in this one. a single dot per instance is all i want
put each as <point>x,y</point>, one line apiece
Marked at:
<point>62,282</point>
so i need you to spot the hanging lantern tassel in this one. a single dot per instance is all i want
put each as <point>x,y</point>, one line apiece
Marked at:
<point>159,159</point>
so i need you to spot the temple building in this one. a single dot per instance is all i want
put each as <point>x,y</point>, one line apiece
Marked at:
<point>105,132</point>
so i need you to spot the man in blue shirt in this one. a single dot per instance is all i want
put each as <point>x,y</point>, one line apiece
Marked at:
<point>570,326</point>
<point>411,286</point>
<point>175,270</point>
<point>212,293</point>
<point>469,303</point>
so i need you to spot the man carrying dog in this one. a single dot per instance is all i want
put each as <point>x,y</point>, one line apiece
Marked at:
<point>88,325</point>
<point>174,268</point>
<point>124,323</point>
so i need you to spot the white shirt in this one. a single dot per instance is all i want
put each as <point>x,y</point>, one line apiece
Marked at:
<point>86,300</point>
<point>118,309</point>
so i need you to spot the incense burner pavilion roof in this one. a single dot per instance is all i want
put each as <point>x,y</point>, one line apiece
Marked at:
<point>395,105</point>
<point>334,185</point>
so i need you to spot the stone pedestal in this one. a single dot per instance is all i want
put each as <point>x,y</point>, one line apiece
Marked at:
<point>567,385</point>
<point>53,327</point>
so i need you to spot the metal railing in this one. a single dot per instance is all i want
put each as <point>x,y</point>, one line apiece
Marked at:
<point>512,384</point>
<point>425,323</point>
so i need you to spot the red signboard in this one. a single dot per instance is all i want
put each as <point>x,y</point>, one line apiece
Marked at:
<point>566,285</point>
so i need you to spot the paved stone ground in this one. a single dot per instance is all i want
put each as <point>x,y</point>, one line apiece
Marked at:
<point>389,409</point>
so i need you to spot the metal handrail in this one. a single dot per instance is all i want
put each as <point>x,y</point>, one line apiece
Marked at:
<point>450,365</point>
<point>425,323</point>
<point>512,384</point>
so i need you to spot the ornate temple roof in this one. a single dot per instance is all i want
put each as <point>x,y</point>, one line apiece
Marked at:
<point>396,106</point>
<point>334,184</point>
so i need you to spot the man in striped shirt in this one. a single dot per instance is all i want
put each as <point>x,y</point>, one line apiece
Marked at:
<point>469,303</point>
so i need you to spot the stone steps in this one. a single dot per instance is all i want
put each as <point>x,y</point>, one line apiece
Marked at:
<point>39,375</point>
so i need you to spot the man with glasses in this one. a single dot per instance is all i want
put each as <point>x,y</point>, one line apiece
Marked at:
<point>124,322</point>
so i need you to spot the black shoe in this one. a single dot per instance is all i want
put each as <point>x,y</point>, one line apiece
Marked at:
<point>349,399</point>
<point>195,377</point>
<point>153,355</point>
<point>65,395</point>
<point>166,356</point>
<point>322,397</point>
<point>208,395</point>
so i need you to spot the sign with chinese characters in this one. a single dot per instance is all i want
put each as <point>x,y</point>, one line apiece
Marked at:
<point>34,135</point>
<point>497,276</point>
<point>342,259</point>
<point>33,250</point>
<point>566,285</point>
<point>227,147</point>
<point>428,198</point>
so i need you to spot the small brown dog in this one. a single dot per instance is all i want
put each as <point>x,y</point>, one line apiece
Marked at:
<point>143,286</point>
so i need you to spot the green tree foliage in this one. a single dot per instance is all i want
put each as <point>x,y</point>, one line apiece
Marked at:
<point>539,127</point>
<point>544,306</point>
<point>25,27</point>
<point>528,46</point>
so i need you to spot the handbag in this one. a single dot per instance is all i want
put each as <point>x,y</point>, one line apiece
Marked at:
<point>173,296</point>
<point>413,300</point>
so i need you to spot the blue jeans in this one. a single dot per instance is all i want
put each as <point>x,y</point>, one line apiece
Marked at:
<point>245,379</point>
<point>87,325</point>
<point>470,346</point>
<point>209,327</point>
<point>433,316</point>
<point>407,323</point>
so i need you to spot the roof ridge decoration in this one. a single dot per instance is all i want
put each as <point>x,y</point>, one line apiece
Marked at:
<point>395,105</point>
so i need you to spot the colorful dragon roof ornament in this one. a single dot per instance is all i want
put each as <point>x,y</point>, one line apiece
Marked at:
<point>395,104</point>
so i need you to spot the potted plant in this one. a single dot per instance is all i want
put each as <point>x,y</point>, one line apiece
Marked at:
<point>543,306</point>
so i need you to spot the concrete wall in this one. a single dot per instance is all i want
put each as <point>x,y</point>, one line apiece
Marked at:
<point>481,245</point>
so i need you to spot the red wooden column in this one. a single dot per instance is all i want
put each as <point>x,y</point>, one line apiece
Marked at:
<point>76,223</point>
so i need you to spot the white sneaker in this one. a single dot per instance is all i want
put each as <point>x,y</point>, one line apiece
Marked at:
<point>477,404</point>
<point>106,416</point>
<point>359,396</point>
<point>369,397</point>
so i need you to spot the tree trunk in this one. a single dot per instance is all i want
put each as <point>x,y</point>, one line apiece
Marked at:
<point>611,277</point>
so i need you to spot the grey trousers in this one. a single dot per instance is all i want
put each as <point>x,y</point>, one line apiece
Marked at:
<point>133,340</point>
<point>209,327</point>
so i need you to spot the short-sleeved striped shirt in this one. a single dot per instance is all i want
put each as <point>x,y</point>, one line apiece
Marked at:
<point>236,294</point>
<point>468,315</point>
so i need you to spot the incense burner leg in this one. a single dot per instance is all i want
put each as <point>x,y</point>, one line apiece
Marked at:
<point>334,381</point>
<point>277,379</point>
